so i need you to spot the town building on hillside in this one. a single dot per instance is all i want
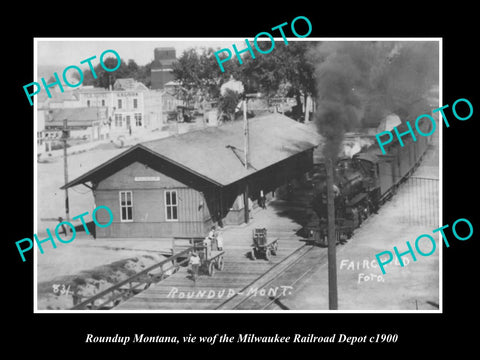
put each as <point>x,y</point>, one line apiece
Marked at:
<point>181,185</point>
<point>161,71</point>
<point>159,107</point>
<point>129,84</point>
<point>90,96</point>
<point>61,100</point>
<point>125,104</point>
<point>128,109</point>
<point>84,123</point>
<point>42,144</point>
<point>131,105</point>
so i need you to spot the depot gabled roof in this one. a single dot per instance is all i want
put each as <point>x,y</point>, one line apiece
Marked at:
<point>216,153</point>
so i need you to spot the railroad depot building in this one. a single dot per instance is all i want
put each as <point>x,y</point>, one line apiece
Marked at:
<point>181,185</point>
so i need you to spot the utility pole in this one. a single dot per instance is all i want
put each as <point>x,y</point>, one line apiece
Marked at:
<point>308,102</point>
<point>65,166</point>
<point>245,131</point>
<point>245,150</point>
<point>332,240</point>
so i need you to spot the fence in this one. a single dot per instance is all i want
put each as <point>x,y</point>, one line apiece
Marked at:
<point>419,200</point>
<point>134,284</point>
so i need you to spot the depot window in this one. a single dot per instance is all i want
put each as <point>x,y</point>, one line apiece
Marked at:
<point>126,205</point>
<point>171,205</point>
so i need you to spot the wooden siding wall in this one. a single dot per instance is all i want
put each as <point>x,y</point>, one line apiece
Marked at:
<point>199,205</point>
<point>149,218</point>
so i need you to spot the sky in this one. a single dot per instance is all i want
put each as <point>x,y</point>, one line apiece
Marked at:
<point>65,52</point>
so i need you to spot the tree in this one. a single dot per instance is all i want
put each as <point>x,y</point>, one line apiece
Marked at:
<point>143,74</point>
<point>231,93</point>
<point>227,104</point>
<point>199,71</point>
<point>105,78</point>
<point>285,71</point>
<point>132,66</point>
<point>51,79</point>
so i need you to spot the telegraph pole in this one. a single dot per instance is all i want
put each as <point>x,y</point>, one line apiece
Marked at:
<point>332,240</point>
<point>245,150</point>
<point>65,166</point>
<point>245,131</point>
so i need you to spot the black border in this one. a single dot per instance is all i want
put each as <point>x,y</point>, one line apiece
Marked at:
<point>49,333</point>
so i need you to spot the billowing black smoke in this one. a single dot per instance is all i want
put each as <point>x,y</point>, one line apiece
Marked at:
<point>359,83</point>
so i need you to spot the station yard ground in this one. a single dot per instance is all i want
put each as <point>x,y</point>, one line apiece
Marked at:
<point>361,284</point>
<point>100,262</point>
<point>415,286</point>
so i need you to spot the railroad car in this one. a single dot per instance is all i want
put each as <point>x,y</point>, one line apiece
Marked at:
<point>362,183</point>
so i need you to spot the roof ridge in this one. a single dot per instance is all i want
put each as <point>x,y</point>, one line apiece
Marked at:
<point>208,155</point>
<point>209,128</point>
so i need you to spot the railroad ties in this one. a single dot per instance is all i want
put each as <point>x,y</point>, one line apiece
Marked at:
<point>225,289</point>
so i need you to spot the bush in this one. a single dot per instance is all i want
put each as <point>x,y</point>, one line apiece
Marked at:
<point>228,103</point>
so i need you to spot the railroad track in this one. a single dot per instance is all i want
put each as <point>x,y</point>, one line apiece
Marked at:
<point>257,285</point>
<point>269,288</point>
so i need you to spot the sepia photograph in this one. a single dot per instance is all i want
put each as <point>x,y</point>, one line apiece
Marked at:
<point>265,175</point>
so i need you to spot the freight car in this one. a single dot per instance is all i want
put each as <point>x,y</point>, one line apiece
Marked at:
<point>362,183</point>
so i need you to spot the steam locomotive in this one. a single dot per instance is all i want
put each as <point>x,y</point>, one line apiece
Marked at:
<point>362,183</point>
